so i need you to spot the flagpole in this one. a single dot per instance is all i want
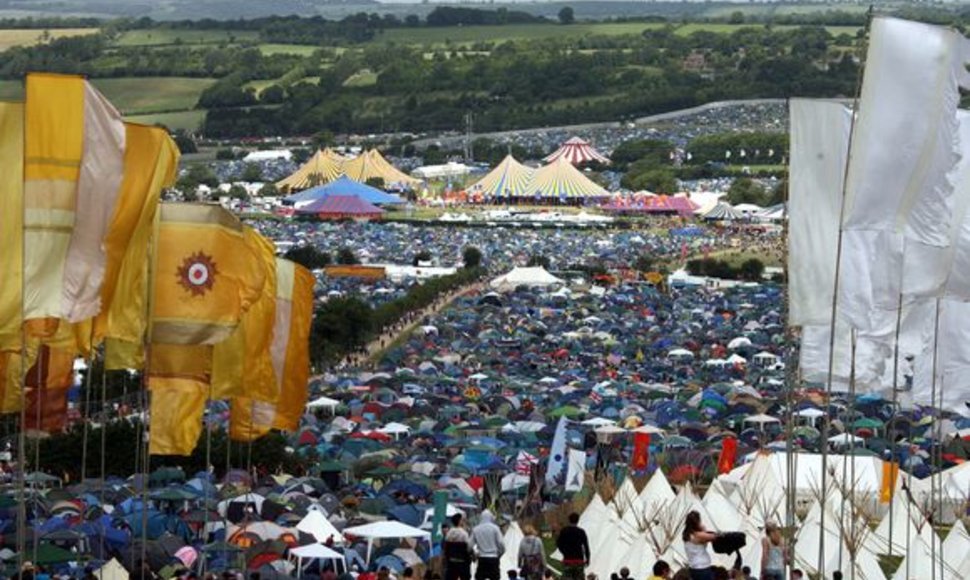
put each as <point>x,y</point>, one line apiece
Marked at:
<point>827,419</point>
<point>39,393</point>
<point>21,436</point>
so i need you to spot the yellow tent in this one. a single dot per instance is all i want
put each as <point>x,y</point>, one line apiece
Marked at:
<point>371,164</point>
<point>509,179</point>
<point>323,167</point>
<point>560,180</point>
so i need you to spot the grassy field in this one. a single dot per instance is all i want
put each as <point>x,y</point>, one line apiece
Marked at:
<point>135,96</point>
<point>187,120</point>
<point>297,49</point>
<point>362,78</point>
<point>10,38</point>
<point>472,34</point>
<point>168,37</point>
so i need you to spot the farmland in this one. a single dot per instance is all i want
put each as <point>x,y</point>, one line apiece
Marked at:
<point>16,37</point>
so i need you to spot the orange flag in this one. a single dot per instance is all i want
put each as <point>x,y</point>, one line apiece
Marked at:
<point>890,471</point>
<point>47,384</point>
<point>641,451</point>
<point>729,451</point>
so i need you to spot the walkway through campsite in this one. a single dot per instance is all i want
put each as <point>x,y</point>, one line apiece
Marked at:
<point>376,348</point>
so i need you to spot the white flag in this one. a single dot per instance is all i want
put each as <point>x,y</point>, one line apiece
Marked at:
<point>576,474</point>
<point>905,150</point>
<point>557,453</point>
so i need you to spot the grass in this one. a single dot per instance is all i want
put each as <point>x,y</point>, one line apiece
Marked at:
<point>295,49</point>
<point>736,257</point>
<point>168,37</point>
<point>187,120</point>
<point>10,38</point>
<point>362,78</point>
<point>137,96</point>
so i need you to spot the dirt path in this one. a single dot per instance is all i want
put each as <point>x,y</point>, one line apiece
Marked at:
<point>377,346</point>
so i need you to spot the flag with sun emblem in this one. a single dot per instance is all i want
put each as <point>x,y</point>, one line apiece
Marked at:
<point>205,276</point>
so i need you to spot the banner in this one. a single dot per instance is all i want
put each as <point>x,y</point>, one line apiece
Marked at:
<point>890,471</point>
<point>440,512</point>
<point>729,451</point>
<point>557,454</point>
<point>641,451</point>
<point>576,472</point>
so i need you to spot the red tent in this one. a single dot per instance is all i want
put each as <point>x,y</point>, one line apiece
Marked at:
<point>341,206</point>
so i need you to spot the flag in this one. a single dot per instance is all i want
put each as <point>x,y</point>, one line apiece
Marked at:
<point>890,471</point>
<point>252,417</point>
<point>47,382</point>
<point>557,453</point>
<point>576,471</point>
<point>641,451</point>
<point>899,199</point>
<point>205,275</point>
<point>439,515</point>
<point>242,365</point>
<point>819,150</point>
<point>150,164</point>
<point>595,397</point>
<point>11,227</point>
<point>524,462</point>
<point>729,451</point>
<point>74,143</point>
<point>178,384</point>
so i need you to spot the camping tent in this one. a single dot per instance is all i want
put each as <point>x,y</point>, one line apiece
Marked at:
<point>341,206</point>
<point>371,164</point>
<point>537,276</point>
<point>509,179</point>
<point>560,180</point>
<point>343,186</point>
<point>316,552</point>
<point>577,151</point>
<point>323,167</point>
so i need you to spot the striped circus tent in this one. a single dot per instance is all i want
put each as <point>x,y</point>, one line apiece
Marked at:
<point>324,167</point>
<point>723,212</point>
<point>371,164</point>
<point>577,151</point>
<point>509,179</point>
<point>561,181</point>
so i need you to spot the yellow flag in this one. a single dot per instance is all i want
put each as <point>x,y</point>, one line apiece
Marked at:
<point>74,143</point>
<point>251,418</point>
<point>10,378</point>
<point>178,384</point>
<point>291,358</point>
<point>11,223</point>
<point>205,276</point>
<point>242,365</point>
<point>151,160</point>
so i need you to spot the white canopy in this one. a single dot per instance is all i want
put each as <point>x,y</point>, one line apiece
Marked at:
<point>762,418</point>
<point>326,402</point>
<point>519,276</point>
<point>315,552</point>
<point>385,530</point>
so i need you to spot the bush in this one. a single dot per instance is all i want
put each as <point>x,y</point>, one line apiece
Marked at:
<point>346,257</point>
<point>537,260</point>
<point>308,257</point>
<point>471,257</point>
<point>751,270</point>
<point>746,190</point>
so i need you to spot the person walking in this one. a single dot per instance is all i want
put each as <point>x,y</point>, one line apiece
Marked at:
<point>773,553</point>
<point>532,556</point>
<point>457,551</point>
<point>488,545</point>
<point>574,547</point>
<point>696,538</point>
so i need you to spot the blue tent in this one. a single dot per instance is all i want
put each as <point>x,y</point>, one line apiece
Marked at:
<point>346,187</point>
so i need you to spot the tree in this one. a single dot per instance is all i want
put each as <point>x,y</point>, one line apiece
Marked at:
<point>251,173</point>
<point>346,257</point>
<point>184,142</point>
<point>422,256</point>
<point>308,256</point>
<point>655,180</point>
<point>737,17</point>
<point>746,190</point>
<point>323,139</point>
<point>272,95</point>
<point>340,325</point>
<point>538,260</point>
<point>780,193</point>
<point>471,257</point>
<point>752,270</point>
<point>237,191</point>
<point>375,182</point>
<point>269,189</point>
<point>649,152</point>
<point>566,15</point>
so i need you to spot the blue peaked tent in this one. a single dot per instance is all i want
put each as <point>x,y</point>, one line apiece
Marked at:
<point>344,186</point>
